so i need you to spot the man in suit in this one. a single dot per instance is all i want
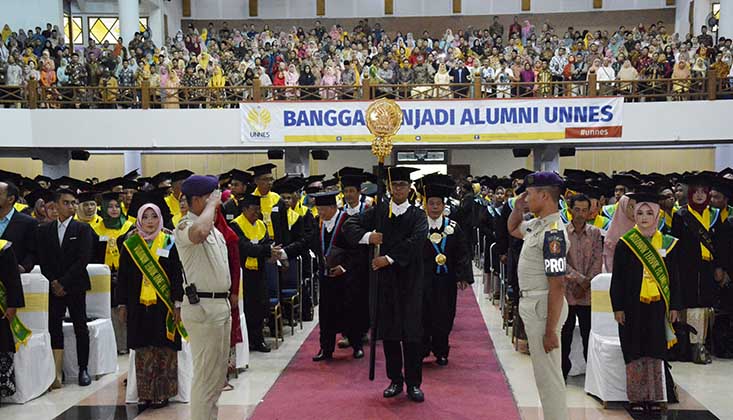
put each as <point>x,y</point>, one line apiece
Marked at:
<point>66,246</point>
<point>460,74</point>
<point>16,227</point>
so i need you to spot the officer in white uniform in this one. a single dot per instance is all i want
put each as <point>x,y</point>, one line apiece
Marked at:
<point>541,272</point>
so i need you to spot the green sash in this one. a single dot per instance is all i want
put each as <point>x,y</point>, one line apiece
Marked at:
<point>21,333</point>
<point>153,272</point>
<point>653,261</point>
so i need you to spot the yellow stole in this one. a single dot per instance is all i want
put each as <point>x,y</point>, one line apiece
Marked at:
<point>173,204</point>
<point>253,232</point>
<point>293,217</point>
<point>649,291</point>
<point>148,296</point>
<point>112,253</point>
<point>704,220</point>
<point>20,206</point>
<point>267,202</point>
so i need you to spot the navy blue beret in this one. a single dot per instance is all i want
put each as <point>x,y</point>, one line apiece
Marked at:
<point>199,185</point>
<point>543,179</point>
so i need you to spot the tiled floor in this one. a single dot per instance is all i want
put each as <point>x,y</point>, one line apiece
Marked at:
<point>705,390</point>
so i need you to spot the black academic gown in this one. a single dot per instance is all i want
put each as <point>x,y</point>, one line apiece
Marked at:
<point>511,247</point>
<point>10,278</point>
<point>146,324</point>
<point>21,231</point>
<point>643,333</point>
<point>487,224</point>
<point>401,284</point>
<point>699,289</point>
<point>441,288</point>
<point>230,210</point>
<point>256,300</point>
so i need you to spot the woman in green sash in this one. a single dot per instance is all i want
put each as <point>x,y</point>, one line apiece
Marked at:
<point>11,298</point>
<point>150,291</point>
<point>646,300</point>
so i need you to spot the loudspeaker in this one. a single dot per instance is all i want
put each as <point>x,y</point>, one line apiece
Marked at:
<point>567,151</point>
<point>275,154</point>
<point>319,154</point>
<point>520,153</point>
<point>79,155</point>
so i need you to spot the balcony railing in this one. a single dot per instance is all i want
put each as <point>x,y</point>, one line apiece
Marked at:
<point>35,96</point>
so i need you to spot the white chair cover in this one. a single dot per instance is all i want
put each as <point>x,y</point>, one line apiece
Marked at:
<point>242,349</point>
<point>99,299</point>
<point>605,375</point>
<point>102,349</point>
<point>185,376</point>
<point>35,291</point>
<point>34,368</point>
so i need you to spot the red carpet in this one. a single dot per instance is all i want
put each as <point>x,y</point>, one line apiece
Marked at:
<point>472,386</point>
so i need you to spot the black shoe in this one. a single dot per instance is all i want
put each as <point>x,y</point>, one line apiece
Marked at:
<point>142,406</point>
<point>321,356</point>
<point>358,353</point>
<point>441,360</point>
<point>414,394</point>
<point>394,389</point>
<point>160,404</point>
<point>261,347</point>
<point>343,343</point>
<point>84,378</point>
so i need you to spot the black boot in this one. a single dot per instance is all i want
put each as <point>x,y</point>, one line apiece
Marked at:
<point>394,389</point>
<point>414,394</point>
<point>84,378</point>
<point>322,355</point>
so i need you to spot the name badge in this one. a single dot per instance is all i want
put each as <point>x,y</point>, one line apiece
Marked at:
<point>103,238</point>
<point>163,252</point>
<point>230,217</point>
<point>276,209</point>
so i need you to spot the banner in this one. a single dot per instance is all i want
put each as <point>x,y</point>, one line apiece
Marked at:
<point>440,121</point>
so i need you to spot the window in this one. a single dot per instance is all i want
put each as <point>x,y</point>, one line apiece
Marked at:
<point>76,29</point>
<point>108,28</point>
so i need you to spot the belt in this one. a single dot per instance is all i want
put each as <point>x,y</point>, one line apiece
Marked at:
<point>216,295</point>
<point>529,293</point>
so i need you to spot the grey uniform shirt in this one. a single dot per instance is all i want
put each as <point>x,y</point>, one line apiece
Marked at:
<point>205,264</point>
<point>532,268</point>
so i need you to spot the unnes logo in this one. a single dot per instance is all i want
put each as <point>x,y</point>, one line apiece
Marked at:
<point>258,120</point>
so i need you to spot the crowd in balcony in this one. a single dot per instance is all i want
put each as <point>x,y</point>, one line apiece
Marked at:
<point>335,63</point>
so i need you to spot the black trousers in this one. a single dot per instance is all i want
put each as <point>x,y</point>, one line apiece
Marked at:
<point>398,352</point>
<point>77,305</point>
<point>582,313</point>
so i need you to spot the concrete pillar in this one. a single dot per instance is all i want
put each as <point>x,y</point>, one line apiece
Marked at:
<point>297,160</point>
<point>703,8</point>
<point>546,158</point>
<point>129,19</point>
<point>723,156</point>
<point>155,23</point>
<point>133,160</point>
<point>682,18</point>
<point>55,162</point>
<point>726,19</point>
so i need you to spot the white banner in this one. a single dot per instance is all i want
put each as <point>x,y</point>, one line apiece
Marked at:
<point>443,121</point>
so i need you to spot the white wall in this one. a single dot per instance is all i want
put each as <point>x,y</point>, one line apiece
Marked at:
<point>174,10</point>
<point>282,9</point>
<point>27,14</point>
<point>696,121</point>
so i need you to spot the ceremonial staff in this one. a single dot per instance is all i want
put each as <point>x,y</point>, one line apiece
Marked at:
<point>383,119</point>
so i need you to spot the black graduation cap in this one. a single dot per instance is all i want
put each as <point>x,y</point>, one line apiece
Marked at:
<point>85,196</point>
<point>326,198</point>
<point>250,200</point>
<point>287,185</point>
<point>145,180</point>
<point>586,189</point>
<point>241,176</point>
<point>123,182</point>
<point>505,182</point>
<point>263,169</point>
<point>575,174</point>
<point>180,175</point>
<point>704,178</point>
<point>41,193</point>
<point>157,197</point>
<point>353,181</point>
<point>347,170</point>
<point>437,190</point>
<point>132,175</point>
<point>727,172</point>
<point>11,177</point>
<point>160,177</point>
<point>520,173</point>
<point>400,173</point>
<point>436,178</point>
<point>724,186</point>
<point>40,178</point>
<point>629,181</point>
<point>109,196</point>
<point>646,194</point>
<point>313,178</point>
<point>330,182</point>
<point>70,183</point>
<point>27,184</point>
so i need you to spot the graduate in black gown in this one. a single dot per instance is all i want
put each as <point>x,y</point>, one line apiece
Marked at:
<point>402,232</point>
<point>646,301</point>
<point>13,299</point>
<point>255,249</point>
<point>447,268</point>
<point>338,262</point>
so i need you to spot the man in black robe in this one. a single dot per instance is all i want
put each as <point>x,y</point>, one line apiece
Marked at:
<point>401,234</point>
<point>10,280</point>
<point>447,268</point>
<point>339,267</point>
